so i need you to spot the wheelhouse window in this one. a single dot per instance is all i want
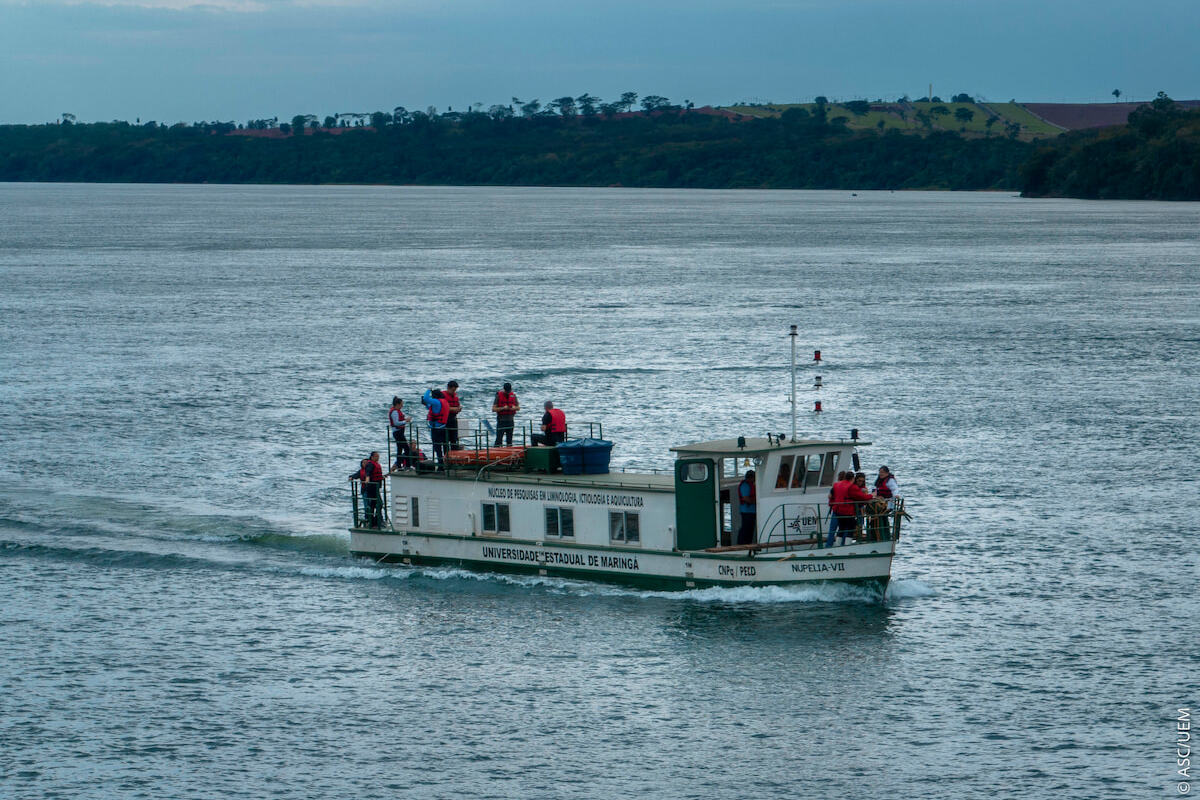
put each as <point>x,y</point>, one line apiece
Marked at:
<point>798,473</point>
<point>831,460</point>
<point>560,522</point>
<point>624,526</point>
<point>785,472</point>
<point>495,518</point>
<point>696,472</point>
<point>814,470</point>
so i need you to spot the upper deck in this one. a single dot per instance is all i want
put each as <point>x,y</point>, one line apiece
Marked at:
<point>650,481</point>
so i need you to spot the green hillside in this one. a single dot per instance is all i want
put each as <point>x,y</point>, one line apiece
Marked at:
<point>921,117</point>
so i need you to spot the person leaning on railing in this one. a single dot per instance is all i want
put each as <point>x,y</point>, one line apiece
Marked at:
<point>845,496</point>
<point>886,486</point>
<point>860,509</point>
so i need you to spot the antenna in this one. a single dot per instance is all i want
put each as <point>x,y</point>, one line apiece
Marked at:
<point>793,333</point>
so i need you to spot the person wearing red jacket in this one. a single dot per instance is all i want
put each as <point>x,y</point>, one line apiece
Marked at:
<point>450,394</point>
<point>506,408</point>
<point>554,426</point>
<point>842,502</point>
<point>832,516</point>
<point>370,477</point>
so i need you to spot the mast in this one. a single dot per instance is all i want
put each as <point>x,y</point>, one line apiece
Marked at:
<point>792,334</point>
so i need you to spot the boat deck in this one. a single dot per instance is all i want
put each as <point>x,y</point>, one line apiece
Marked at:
<point>655,482</point>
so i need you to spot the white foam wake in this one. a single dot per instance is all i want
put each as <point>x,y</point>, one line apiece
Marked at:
<point>908,588</point>
<point>902,589</point>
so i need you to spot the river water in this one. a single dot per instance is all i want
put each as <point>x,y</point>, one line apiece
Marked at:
<point>190,372</point>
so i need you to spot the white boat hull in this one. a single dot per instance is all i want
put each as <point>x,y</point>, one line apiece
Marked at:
<point>866,563</point>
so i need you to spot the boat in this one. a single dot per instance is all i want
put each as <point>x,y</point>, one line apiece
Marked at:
<point>559,511</point>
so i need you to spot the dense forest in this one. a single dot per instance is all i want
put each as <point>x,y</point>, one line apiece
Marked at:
<point>573,143</point>
<point>667,147</point>
<point>1156,156</point>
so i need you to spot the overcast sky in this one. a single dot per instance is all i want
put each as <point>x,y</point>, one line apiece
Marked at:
<point>174,60</point>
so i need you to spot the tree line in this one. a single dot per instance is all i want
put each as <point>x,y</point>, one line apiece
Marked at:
<point>585,142</point>
<point>1155,156</point>
<point>673,146</point>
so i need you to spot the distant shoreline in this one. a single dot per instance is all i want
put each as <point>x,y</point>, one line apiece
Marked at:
<point>1155,156</point>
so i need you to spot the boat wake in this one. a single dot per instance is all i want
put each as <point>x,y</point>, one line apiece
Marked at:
<point>898,590</point>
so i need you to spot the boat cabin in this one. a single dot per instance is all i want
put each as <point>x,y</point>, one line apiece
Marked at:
<point>792,480</point>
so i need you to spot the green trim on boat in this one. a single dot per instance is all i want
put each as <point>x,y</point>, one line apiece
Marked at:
<point>826,553</point>
<point>651,582</point>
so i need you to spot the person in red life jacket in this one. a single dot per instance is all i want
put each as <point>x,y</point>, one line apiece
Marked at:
<point>843,475</point>
<point>398,424</point>
<point>358,475</point>
<point>439,412</point>
<point>845,496</point>
<point>886,486</point>
<point>554,426</point>
<point>506,408</point>
<point>451,396</point>
<point>748,505</point>
<point>371,478</point>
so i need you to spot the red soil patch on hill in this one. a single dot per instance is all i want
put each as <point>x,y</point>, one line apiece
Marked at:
<point>275,133</point>
<point>1074,116</point>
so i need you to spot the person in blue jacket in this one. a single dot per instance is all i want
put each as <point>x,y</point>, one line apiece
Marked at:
<point>438,416</point>
<point>748,505</point>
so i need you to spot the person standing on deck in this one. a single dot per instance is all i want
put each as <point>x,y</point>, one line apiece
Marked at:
<point>832,516</point>
<point>506,408</point>
<point>372,480</point>
<point>439,412</point>
<point>748,505</point>
<point>886,486</point>
<point>399,423</point>
<point>846,496</point>
<point>451,395</point>
<point>554,426</point>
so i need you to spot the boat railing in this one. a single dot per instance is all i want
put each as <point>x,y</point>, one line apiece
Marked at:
<point>479,435</point>
<point>364,515</point>
<point>792,526</point>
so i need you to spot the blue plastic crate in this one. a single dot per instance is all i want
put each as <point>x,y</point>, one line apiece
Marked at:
<point>585,456</point>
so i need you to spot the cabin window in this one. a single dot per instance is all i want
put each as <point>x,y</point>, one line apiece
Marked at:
<point>414,513</point>
<point>785,472</point>
<point>831,460</point>
<point>623,526</point>
<point>798,473</point>
<point>560,522</point>
<point>696,472</point>
<point>495,518</point>
<point>814,470</point>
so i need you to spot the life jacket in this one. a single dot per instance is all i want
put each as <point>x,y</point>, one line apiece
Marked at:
<point>397,425</point>
<point>439,418</point>
<point>881,486</point>
<point>845,495</point>
<point>750,498</point>
<point>558,421</point>
<point>372,472</point>
<point>454,405</point>
<point>506,400</point>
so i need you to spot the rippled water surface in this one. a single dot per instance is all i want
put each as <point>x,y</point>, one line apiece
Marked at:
<point>189,373</point>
